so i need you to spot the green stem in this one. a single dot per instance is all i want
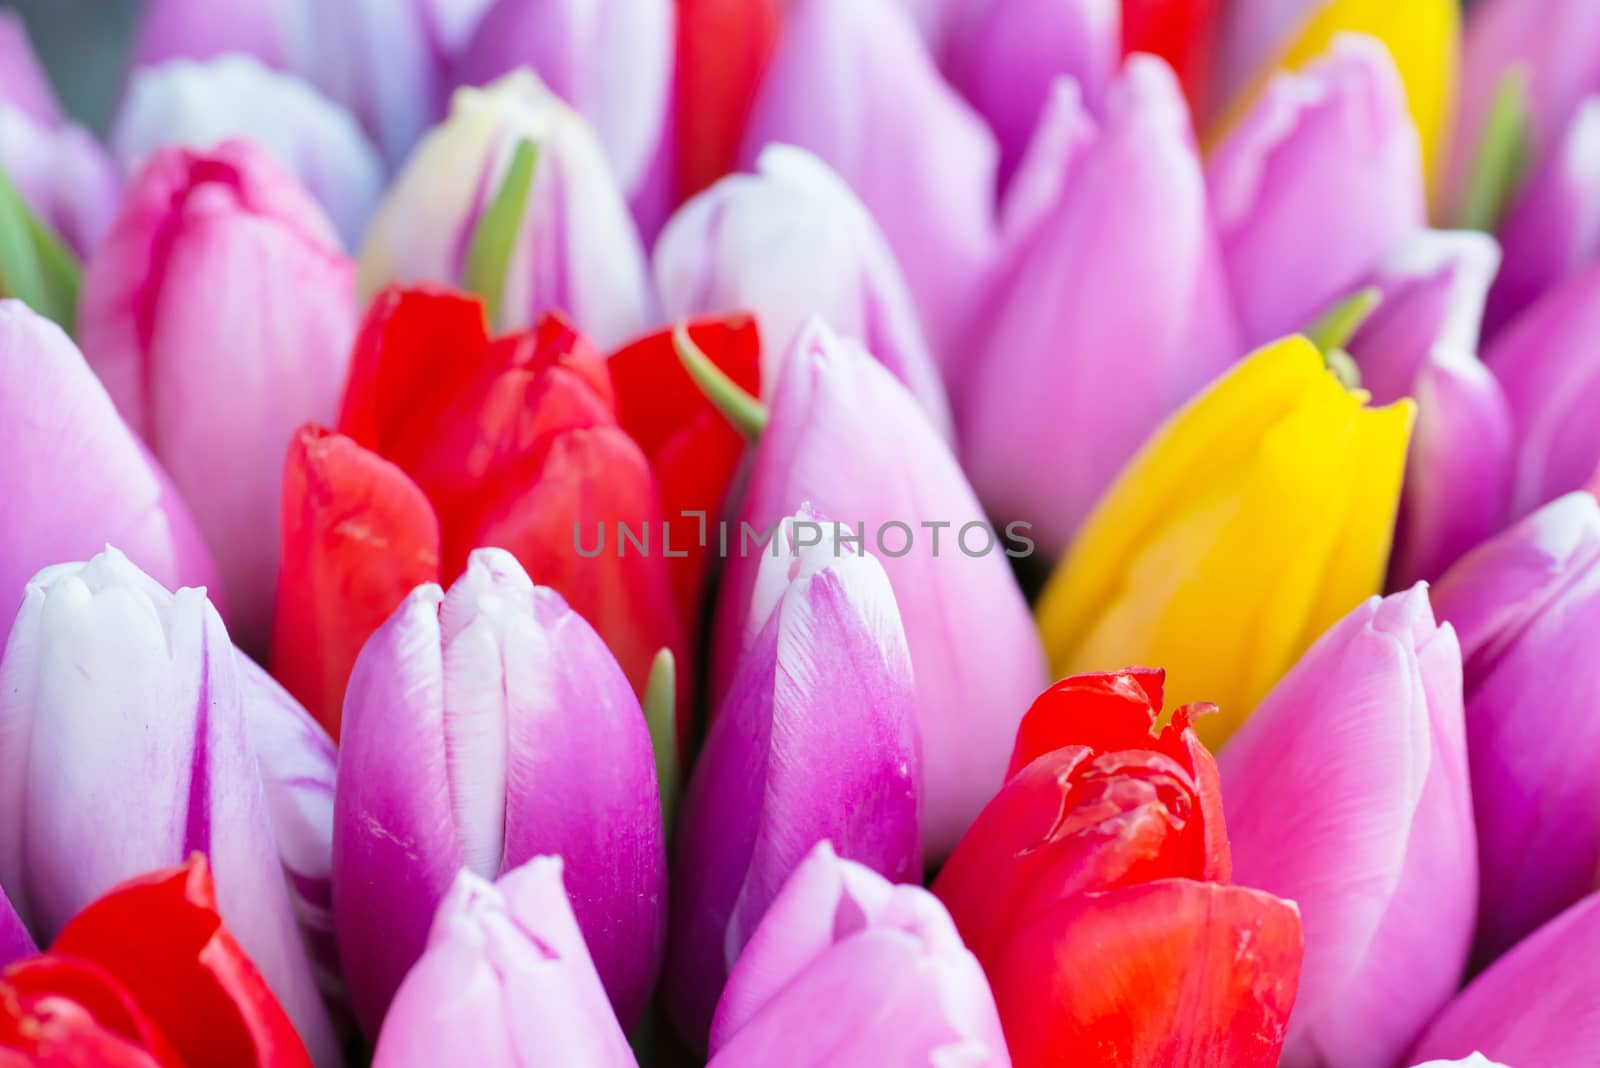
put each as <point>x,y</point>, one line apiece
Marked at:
<point>1335,327</point>
<point>494,240</point>
<point>660,715</point>
<point>748,415</point>
<point>1503,154</point>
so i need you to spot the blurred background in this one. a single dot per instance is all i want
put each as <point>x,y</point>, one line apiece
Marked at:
<point>83,44</point>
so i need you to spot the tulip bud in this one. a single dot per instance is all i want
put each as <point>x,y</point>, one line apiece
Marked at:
<point>1095,213</point>
<point>848,969</point>
<point>218,311</point>
<point>59,429</point>
<point>127,722</point>
<point>816,739</point>
<point>1380,860</point>
<point>1336,133</point>
<point>1535,1006</point>
<point>484,727</point>
<point>505,982</point>
<point>200,105</point>
<point>1186,34</point>
<point>612,60</point>
<point>1264,509</point>
<point>853,83</point>
<point>1421,341</point>
<point>846,437</point>
<point>786,243</point>
<point>572,248</point>
<point>1524,605</point>
<point>23,83</point>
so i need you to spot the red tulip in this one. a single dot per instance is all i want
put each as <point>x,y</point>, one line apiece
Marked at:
<point>1183,32</point>
<point>1094,890</point>
<point>692,448</point>
<point>146,977</point>
<point>449,441</point>
<point>723,49</point>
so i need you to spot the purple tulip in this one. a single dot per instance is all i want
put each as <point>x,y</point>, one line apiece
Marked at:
<point>1421,342</point>
<point>202,104</point>
<point>849,971</point>
<point>1096,213</point>
<point>505,982</point>
<point>846,437</point>
<point>23,84</point>
<point>76,479</point>
<point>1543,361</point>
<point>1526,605</point>
<point>219,313</point>
<point>612,60</point>
<point>1004,55</point>
<point>1537,1007</point>
<point>786,243</point>
<point>482,727</point>
<point>1339,133</point>
<point>816,739</point>
<point>853,83</point>
<point>1347,793</point>
<point>128,740</point>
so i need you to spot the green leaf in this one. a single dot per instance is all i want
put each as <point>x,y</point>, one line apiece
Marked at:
<point>660,714</point>
<point>35,266</point>
<point>1335,327</point>
<point>747,415</point>
<point>494,240</point>
<point>1503,153</point>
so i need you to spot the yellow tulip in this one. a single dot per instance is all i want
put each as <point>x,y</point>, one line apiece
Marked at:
<point>1253,520</point>
<point>1424,36</point>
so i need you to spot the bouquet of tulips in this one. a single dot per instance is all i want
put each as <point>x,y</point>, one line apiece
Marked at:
<point>806,533</point>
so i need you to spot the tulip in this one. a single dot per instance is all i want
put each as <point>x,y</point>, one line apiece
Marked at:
<point>1536,1007</point>
<point>1097,212</point>
<point>1184,33</point>
<point>1542,361</point>
<point>505,981</point>
<point>15,941</point>
<point>1477,1060</point>
<point>816,739</point>
<point>1422,342</point>
<point>574,248</point>
<point>59,429</point>
<point>146,976</point>
<point>451,441</point>
<point>23,84</point>
<point>612,60</point>
<point>1106,848</point>
<point>1252,520</point>
<point>484,727</point>
<point>386,63</point>
<point>848,970</point>
<point>692,448</point>
<point>202,104</point>
<point>1315,186</point>
<point>1422,37</point>
<point>786,243</point>
<point>1523,605</point>
<point>218,313</point>
<point>846,437</point>
<point>127,721</point>
<point>1381,858</point>
<point>723,50</point>
<point>853,83</point>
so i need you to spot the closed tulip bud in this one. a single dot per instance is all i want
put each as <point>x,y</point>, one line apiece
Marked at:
<point>1107,845</point>
<point>202,104</point>
<point>60,429</point>
<point>1381,859</point>
<point>1422,342</point>
<point>612,60</point>
<point>1265,508</point>
<point>845,436</point>
<point>127,720</point>
<point>1099,209</point>
<point>573,249</point>
<point>1336,133</point>
<point>849,970</point>
<point>505,982</point>
<point>1536,1006</point>
<point>723,50</point>
<point>484,727</point>
<point>1524,604</point>
<point>218,311</point>
<point>853,83</point>
<point>816,739</point>
<point>786,243</point>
